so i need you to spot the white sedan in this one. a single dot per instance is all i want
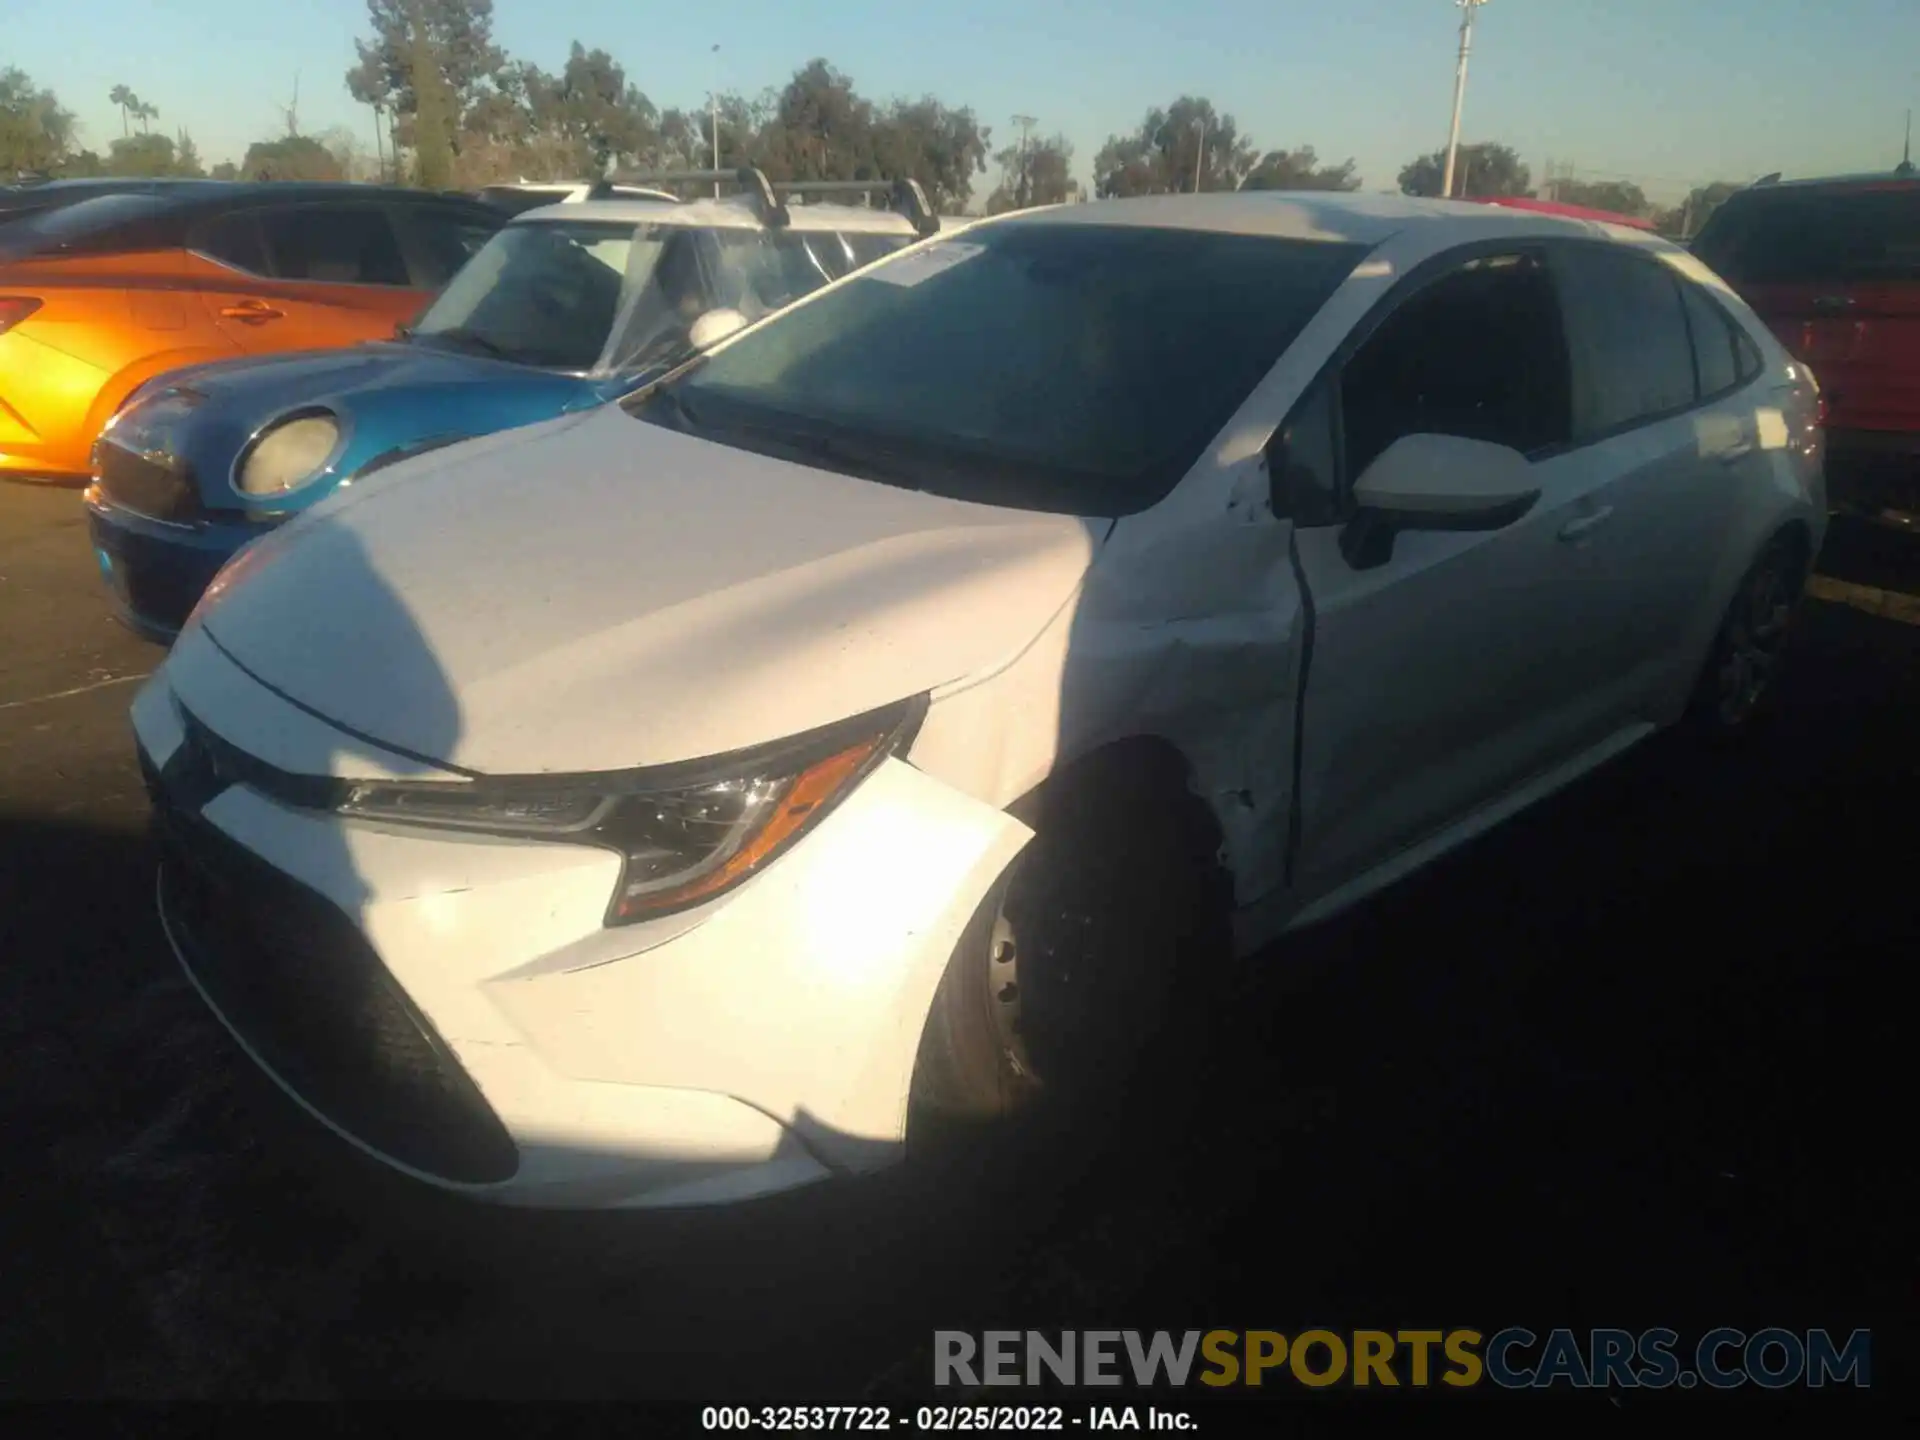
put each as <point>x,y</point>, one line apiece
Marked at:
<point>669,804</point>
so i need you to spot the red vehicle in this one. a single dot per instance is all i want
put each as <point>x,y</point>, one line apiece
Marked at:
<point>1571,212</point>
<point>1833,267</point>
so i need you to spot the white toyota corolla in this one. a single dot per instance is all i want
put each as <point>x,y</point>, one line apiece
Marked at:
<point>660,806</point>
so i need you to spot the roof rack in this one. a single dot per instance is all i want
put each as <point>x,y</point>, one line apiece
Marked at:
<point>767,197</point>
<point>903,195</point>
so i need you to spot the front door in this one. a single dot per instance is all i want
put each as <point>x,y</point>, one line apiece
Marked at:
<point>1446,673</point>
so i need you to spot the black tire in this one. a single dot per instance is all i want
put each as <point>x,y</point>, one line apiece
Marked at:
<point>1079,953</point>
<point>1735,692</point>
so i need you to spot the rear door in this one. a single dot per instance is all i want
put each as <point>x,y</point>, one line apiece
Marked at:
<point>1836,274</point>
<point>307,276</point>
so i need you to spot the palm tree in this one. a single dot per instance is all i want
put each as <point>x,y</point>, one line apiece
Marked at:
<point>125,100</point>
<point>145,113</point>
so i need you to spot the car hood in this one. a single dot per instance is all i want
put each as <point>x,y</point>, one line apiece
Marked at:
<point>389,396</point>
<point>599,593</point>
<point>339,374</point>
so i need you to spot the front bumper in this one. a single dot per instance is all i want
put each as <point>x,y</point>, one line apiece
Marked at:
<point>454,1006</point>
<point>1875,475</point>
<point>156,571</point>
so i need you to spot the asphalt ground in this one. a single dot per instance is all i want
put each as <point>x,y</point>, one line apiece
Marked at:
<point>1637,1059</point>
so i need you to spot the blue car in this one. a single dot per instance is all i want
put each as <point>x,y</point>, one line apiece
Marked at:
<point>567,307</point>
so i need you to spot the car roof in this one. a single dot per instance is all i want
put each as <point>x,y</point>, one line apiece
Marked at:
<point>1866,180</point>
<point>731,212</point>
<point>1322,215</point>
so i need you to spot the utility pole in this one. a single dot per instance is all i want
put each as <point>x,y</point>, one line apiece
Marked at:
<point>1199,152</point>
<point>1467,7</point>
<point>1023,187</point>
<point>713,119</point>
<point>1906,153</point>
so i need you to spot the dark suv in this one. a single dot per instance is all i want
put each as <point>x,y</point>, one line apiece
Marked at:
<point>1833,266</point>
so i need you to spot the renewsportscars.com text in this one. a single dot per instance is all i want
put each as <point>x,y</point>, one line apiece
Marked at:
<point>1514,1358</point>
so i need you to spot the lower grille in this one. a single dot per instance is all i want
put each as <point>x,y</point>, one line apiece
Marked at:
<point>154,485</point>
<point>293,976</point>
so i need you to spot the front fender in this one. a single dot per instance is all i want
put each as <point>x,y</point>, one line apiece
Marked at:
<point>113,395</point>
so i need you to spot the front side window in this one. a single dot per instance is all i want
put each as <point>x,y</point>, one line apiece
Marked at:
<point>1080,368</point>
<point>235,240</point>
<point>336,244</point>
<point>542,293</point>
<point>1479,354</point>
<point>1632,354</point>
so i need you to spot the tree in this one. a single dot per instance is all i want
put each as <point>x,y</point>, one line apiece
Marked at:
<point>1484,169</point>
<point>36,132</point>
<point>226,170</point>
<point>1038,173</point>
<point>1299,170</point>
<point>589,113</point>
<point>451,39</point>
<point>143,155</point>
<point>290,157</point>
<point>186,157</point>
<point>143,113</point>
<point>820,129</point>
<point>940,146</point>
<point>435,112</point>
<point>1186,146</point>
<point>1622,197</point>
<point>126,102</point>
<point>1684,220</point>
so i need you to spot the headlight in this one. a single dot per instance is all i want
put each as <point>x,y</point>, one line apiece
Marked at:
<point>682,843</point>
<point>289,455</point>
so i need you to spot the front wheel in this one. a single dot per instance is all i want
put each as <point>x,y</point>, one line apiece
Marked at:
<point>1075,957</point>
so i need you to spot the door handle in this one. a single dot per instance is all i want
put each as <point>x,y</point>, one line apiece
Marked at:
<point>1587,524</point>
<point>254,311</point>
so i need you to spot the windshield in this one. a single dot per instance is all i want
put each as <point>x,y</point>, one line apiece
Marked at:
<point>542,293</point>
<point>1080,368</point>
<point>1860,236</point>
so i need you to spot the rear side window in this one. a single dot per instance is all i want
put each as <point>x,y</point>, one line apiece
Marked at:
<point>339,244</point>
<point>1627,333</point>
<point>1814,237</point>
<point>1725,354</point>
<point>1478,353</point>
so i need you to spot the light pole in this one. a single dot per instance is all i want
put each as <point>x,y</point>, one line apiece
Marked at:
<point>1199,151</point>
<point>713,122</point>
<point>1467,7</point>
<point>1023,187</point>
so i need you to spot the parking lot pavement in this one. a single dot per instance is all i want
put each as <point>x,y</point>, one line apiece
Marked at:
<point>1634,1060</point>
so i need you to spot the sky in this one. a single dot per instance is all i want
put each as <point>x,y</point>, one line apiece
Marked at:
<point>1667,93</point>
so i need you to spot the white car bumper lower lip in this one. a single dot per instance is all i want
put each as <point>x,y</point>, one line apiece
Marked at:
<point>455,1006</point>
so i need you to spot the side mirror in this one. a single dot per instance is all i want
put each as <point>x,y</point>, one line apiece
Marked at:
<point>1435,482</point>
<point>714,326</point>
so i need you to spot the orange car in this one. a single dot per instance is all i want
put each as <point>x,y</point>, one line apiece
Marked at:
<point>99,296</point>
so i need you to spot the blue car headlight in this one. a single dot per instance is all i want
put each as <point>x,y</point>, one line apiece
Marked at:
<point>292,452</point>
